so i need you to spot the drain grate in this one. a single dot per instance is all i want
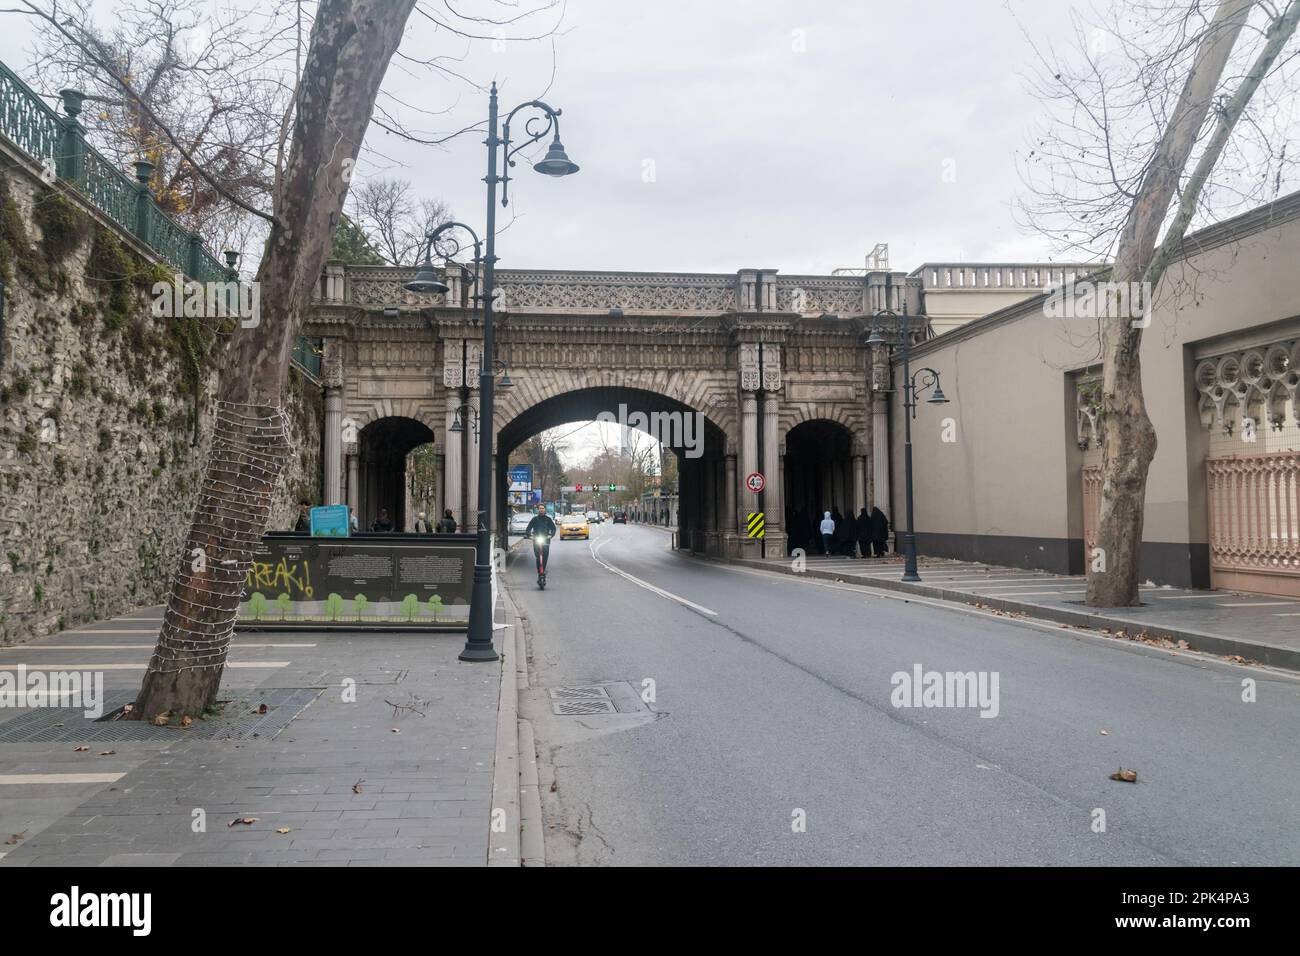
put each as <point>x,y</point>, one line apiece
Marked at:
<point>590,692</point>
<point>239,719</point>
<point>576,708</point>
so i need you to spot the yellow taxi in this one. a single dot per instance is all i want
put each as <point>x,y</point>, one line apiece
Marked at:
<point>574,526</point>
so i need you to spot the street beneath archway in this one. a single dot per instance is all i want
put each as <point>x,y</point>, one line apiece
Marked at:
<point>774,703</point>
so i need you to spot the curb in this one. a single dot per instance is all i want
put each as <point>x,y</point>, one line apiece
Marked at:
<point>1253,651</point>
<point>503,847</point>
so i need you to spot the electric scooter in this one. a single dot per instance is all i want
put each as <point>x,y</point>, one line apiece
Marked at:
<point>538,542</point>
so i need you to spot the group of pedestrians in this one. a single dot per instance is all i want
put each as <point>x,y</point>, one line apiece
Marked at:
<point>382,524</point>
<point>836,534</point>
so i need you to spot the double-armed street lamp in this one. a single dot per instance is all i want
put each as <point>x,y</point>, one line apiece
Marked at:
<point>478,644</point>
<point>911,395</point>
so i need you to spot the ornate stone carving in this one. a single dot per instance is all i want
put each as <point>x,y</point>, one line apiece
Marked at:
<point>771,367</point>
<point>453,369</point>
<point>332,364</point>
<point>1257,383</point>
<point>473,364</point>
<point>818,295</point>
<point>749,373</point>
<point>1087,413</point>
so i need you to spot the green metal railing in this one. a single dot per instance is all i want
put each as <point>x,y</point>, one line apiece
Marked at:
<point>59,142</point>
<point>307,354</point>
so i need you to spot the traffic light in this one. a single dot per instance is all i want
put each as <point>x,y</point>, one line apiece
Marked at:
<point>612,486</point>
<point>577,488</point>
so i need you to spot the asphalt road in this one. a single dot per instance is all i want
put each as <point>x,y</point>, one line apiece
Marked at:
<point>772,708</point>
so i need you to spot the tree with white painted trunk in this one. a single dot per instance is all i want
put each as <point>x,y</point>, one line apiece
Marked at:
<point>1166,117</point>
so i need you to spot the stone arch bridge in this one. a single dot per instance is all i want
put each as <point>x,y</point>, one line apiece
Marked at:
<point>774,367</point>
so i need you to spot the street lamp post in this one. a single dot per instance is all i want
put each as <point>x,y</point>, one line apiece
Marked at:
<point>911,395</point>
<point>478,644</point>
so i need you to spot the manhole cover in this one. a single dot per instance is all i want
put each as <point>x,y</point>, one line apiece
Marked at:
<point>591,692</point>
<point>238,720</point>
<point>576,708</point>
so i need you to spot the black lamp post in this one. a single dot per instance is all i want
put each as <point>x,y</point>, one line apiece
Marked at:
<point>478,644</point>
<point>911,395</point>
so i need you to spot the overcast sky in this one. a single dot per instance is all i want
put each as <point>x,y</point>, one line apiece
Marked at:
<point>787,135</point>
<point>727,134</point>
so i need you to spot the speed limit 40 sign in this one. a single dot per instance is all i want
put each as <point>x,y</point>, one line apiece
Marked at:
<point>755,482</point>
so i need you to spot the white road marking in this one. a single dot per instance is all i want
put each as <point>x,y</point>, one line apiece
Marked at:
<point>20,779</point>
<point>1032,594</point>
<point>118,666</point>
<point>1261,604</point>
<point>647,585</point>
<point>130,630</point>
<point>1187,597</point>
<point>118,647</point>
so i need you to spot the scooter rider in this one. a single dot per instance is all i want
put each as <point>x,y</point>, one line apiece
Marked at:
<point>541,525</point>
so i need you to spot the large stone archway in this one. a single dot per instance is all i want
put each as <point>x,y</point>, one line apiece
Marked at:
<point>755,353</point>
<point>691,433</point>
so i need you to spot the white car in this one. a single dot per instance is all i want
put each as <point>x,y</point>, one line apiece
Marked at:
<point>593,517</point>
<point>519,522</point>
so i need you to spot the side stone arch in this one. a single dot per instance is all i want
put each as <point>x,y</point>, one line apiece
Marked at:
<point>363,412</point>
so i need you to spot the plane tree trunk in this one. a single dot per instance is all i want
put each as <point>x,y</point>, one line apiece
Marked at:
<point>348,53</point>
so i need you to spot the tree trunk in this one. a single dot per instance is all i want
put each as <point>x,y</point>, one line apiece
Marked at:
<point>1130,439</point>
<point>348,53</point>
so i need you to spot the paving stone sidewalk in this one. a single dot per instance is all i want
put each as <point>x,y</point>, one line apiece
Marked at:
<point>1254,627</point>
<point>401,776</point>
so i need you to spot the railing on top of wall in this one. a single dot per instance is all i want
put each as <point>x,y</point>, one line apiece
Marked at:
<point>59,144</point>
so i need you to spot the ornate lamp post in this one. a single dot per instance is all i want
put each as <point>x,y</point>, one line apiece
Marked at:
<point>911,395</point>
<point>478,645</point>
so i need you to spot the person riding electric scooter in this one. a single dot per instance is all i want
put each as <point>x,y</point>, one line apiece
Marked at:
<point>541,530</point>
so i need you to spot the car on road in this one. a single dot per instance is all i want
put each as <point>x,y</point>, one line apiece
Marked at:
<point>574,526</point>
<point>620,517</point>
<point>593,517</point>
<point>519,522</point>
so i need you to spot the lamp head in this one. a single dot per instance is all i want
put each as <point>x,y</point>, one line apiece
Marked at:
<point>426,280</point>
<point>938,398</point>
<point>556,162</point>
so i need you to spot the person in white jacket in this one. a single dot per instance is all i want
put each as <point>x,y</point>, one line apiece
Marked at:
<point>828,531</point>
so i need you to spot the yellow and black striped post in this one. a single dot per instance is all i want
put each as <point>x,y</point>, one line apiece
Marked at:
<point>754,524</point>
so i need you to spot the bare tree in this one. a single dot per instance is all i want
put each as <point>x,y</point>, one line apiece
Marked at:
<point>1155,130</point>
<point>394,220</point>
<point>201,95</point>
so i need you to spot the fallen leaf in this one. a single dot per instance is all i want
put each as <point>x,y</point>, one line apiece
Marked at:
<point>106,753</point>
<point>187,720</point>
<point>162,719</point>
<point>262,709</point>
<point>1127,776</point>
<point>82,749</point>
<point>356,787</point>
<point>555,785</point>
<point>247,821</point>
<point>282,830</point>
<point>1105,733</point>
<point>14,838</point>
<point>397,730</point>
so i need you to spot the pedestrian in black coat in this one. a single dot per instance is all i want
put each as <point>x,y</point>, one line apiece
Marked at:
<point>879,531</point>
<point>863,528</point>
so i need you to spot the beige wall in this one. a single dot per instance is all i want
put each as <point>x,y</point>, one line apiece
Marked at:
<point>1007,488</point>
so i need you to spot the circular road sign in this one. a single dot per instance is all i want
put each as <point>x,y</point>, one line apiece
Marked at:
<point>755,482</point>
